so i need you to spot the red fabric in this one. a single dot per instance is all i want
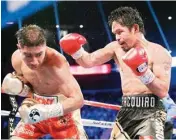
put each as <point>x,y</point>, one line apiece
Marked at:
<point>146,138</point>
<point>58,128</point>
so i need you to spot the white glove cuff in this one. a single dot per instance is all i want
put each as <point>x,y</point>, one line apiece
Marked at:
<point>148,77</point>
<point>55,110</point>
<point>24,91</point>
<point>78,54</point>
<point>42,112</point>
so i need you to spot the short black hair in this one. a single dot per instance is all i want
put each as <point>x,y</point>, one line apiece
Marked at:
<point>126,16</point>
<point>31,36</point>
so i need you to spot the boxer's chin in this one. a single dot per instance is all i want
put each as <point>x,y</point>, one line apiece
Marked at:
<point>126,49</point>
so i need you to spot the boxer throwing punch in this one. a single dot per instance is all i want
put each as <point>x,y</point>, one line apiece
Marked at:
<point>145,76</point>
<point>57,97</point>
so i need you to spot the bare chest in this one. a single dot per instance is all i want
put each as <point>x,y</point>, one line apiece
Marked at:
<point>43,81</point>
<point>130,82</point>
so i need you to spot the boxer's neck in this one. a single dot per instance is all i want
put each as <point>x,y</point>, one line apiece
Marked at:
<point>141,40</point>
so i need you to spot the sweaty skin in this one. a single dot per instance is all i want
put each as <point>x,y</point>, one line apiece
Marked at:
<point>159,63</point>
<point>51,78</point>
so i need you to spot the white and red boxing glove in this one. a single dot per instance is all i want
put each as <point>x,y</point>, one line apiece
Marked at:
<point>14,86</point>
<point>72,44</point>
<point>137,60</point>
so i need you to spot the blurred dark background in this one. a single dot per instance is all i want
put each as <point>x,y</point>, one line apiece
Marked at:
<point>90,20</point>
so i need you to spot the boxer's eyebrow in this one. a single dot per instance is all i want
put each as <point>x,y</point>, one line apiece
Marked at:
<point>116,30</point>
<point>39,53</point>
<point>27,53</point>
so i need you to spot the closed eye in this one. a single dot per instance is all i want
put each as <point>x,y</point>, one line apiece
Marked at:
<point>38,54</point>
<point>27,55</point>
<point>119,32</point>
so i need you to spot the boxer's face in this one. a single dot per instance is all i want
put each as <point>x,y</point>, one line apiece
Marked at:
<point>33,56</point>
<point>124,35</point>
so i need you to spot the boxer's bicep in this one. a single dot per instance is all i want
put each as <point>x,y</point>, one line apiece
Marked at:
<point>162,66</point>
<point>16,64</point>
<point>69,85</point>
<point>102,55</point>
<point>98,57</point>
<point>70,88</point>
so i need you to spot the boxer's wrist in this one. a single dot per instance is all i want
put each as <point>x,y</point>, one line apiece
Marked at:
<point>147,77</point>
<point>55,110</point>
<point>78,54</point>
<point>25,91</point>
<point>25,88</point>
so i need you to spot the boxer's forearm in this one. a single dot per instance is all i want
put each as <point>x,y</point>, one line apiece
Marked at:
<point>39,112</point>
<point>159,87</point>
<point>98,57</point>
<point>72,104</point>
<point>88,60</point>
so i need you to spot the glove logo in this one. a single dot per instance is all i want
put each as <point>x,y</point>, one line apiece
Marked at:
<point>34,115</point>
<point>142,68</point>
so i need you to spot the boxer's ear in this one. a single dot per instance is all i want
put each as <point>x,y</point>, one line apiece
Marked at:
<point>18,46</point>
<point>135,28</point>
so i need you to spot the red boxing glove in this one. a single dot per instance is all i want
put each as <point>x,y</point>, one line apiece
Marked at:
<point>137,60</point>
<point>72,44</point>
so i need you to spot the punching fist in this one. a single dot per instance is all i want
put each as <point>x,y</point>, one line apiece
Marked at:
<point>137,60</point>
<point>14,86</point>
<point>72,44</point>
<point>31,111</point>
<point>25,105</point>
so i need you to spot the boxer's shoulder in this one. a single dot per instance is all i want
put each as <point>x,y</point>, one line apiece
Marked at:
<point>113,44</point>
<point>55,58</point>
<point>158,49</point>
<point>16,61</point>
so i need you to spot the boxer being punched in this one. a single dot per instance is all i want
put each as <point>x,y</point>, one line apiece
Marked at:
<point>145,69</point>
<point>57,97</point>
